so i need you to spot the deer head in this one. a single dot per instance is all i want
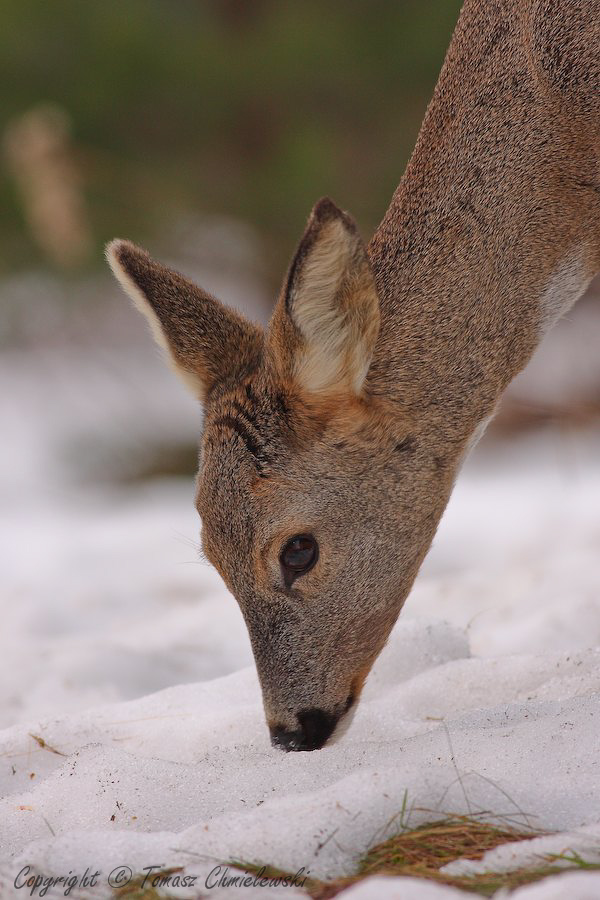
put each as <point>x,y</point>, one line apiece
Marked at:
<point>318,498</point>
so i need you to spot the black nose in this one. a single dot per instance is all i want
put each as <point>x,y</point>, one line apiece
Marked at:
<point>316,727</point>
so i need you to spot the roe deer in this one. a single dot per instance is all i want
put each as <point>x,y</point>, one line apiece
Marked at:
<point>332,439</point>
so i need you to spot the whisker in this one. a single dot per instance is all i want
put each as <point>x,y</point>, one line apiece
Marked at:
<point>186,539</point>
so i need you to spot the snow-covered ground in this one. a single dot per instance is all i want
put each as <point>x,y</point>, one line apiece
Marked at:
<point>133,733</point>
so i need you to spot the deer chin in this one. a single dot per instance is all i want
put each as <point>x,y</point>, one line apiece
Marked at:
<point>343,725</point>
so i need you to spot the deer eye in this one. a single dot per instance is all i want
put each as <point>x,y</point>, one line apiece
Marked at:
<point>298,556</point>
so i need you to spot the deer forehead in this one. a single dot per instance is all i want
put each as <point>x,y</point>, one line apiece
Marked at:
<point>254,491</point>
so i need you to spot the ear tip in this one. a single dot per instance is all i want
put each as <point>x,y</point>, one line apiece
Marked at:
<point>114,250</point>
<point>325,209</point>
<point>119,252</point>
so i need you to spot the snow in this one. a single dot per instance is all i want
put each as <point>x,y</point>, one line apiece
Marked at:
<point>577,885</point>
<point>132,726</point>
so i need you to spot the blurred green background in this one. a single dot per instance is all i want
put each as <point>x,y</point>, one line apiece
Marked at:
<point>249,108</point>
<point>205,130</point>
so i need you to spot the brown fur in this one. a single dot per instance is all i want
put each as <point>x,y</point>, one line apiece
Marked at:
<point>495,224</point>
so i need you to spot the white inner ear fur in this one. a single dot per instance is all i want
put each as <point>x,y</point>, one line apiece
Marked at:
<point>338,330</point>
<point>190,379</point>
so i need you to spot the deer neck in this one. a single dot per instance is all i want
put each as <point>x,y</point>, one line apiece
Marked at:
<point>493,231</point>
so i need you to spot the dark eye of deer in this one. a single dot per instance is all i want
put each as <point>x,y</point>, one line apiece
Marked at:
<point>298,556</point>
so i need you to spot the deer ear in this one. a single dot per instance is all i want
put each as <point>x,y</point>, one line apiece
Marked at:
<point>205,340</point>
<point>326,322</point>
